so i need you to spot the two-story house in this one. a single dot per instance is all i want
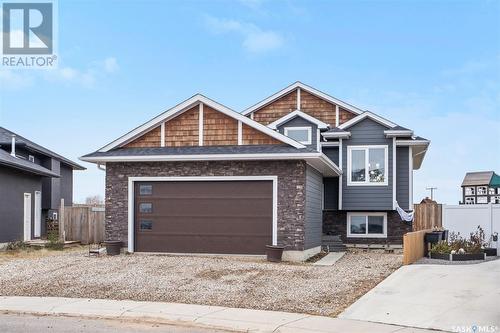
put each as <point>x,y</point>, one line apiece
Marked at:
<point>480,188</point>
<point>202,178</point>
<point>33,180</point>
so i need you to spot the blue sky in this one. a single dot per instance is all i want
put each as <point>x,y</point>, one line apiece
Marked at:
<point>427,65</point>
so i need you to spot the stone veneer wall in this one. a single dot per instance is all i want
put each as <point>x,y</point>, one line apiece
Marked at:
<point>291,191</point>
<point>335,223</point>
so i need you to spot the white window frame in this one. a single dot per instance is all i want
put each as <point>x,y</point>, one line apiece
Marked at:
<point>470,190</point>
<point>301,128</point>
<point>472,199</point>
<point>491,191</point>
<point>495,199</point>
<point>484,199</point>
<point>484,190</point>
<point>367,169</point>
<point>367,235</point>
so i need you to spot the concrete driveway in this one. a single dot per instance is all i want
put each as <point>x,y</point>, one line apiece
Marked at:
<point>445,297</point>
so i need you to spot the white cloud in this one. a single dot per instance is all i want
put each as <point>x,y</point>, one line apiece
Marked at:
<point>111,65</point>
<point>255,39</point>
<point>14,80</point>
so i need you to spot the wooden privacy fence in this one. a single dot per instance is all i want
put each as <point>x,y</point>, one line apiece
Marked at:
<point>413,246</point>
<point>427,216</point>
<point>82,223</point>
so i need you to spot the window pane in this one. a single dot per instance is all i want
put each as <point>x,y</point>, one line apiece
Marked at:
<point>358,165</point>
<point>375,224</point>
<point>146,189</point>
<point>358,224</point>
<point>377,165</point>
<point>482,200</point>
<point>492,190</point>
<point>146,207</point>
<point>300,135</point>
<point>146,225</point>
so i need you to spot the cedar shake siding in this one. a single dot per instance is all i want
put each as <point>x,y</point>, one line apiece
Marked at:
<point>150,139</point>
<point>182,130</point>
<point>218,129</point>
<point>277,109</point>
<point>317,107</point>
<point>291,191</point>
<point>251,136</point>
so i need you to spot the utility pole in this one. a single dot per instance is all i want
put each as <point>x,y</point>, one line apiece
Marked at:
<point>432,191</point>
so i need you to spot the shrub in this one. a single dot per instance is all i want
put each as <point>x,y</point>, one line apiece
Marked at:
<point>16,246</point>
<point>54,242</point>
<point>441,247</point>
<point>474,244</point>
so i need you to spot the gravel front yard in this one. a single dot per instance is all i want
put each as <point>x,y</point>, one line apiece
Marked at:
<point>233,282</point>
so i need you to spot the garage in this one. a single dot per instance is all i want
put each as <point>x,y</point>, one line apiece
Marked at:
<point>203,216</point>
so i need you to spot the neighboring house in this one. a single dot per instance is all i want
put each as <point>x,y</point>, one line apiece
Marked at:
<point>33,180</point>
<point>481,188</point>
<point>202,178</point>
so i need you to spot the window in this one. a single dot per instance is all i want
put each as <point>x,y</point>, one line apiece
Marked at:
<point>300,134</point>
<point>146,207</point>
<point>498,190</point>
<point>367,165</point>
<point>146,225</point>
<point>482,200</point>
<point>470,191</point>
<point>482,190</point>
<point>367,225</point>
<point>31,158</point>
<point>145,189</point>
<point>491,191</point>
<point>470,201</point>
<point>496,199</point>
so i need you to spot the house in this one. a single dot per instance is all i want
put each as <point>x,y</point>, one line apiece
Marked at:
<point>300,164</point>
<point>33,180</point>
<point>481,188</point>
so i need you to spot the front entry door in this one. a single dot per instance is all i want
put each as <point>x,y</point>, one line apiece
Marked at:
<point>27,216</point>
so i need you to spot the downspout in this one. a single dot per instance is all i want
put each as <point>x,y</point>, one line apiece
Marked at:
<point>100,167</point>
<point>13,146</point>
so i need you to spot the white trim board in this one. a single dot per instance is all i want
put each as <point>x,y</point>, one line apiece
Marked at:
<point>131,180</point>
<point>307,88</point>
<point>298,113</point>
<point>188,104</point>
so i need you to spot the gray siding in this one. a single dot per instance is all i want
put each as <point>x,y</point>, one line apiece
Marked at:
<point>66,182</point>
<point>314,217</point>
<point>332,153</point>
<point>13,186</point>
<point>366,132</point>
<point>402,177</point>
<point>301,122</point>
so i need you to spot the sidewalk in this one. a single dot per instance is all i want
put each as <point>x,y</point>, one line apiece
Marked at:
<point>215,317</point>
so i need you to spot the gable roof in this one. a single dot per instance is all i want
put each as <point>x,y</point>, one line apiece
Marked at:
<point>6,140</point>
<point>188,104</point>
<point>370,115</point>
<point>481,178</point>
<point>307,88</point>
<point>298,113</point>
<point>18,163</point>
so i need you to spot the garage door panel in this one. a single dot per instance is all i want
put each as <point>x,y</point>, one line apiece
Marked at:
<point>205,217</point>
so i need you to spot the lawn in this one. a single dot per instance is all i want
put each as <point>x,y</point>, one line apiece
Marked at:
<point>229,281</point>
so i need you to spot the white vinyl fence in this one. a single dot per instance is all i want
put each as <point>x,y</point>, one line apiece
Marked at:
<point>464,219</point>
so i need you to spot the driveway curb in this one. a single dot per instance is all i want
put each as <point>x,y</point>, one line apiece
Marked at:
<point>214,317</point>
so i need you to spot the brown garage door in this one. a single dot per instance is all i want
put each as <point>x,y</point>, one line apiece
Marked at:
<point>203,216</point>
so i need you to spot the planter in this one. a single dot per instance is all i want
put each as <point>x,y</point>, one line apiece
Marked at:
<point>113,247</point>
<point>274,253</point>
<point>458,257</point>
<point>490,251</point>
<point>441,256</point>
<point>433,237</point>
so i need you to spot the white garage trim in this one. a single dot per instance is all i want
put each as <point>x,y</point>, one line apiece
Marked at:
<point>131,206</point>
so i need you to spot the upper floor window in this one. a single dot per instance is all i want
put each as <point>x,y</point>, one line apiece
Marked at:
<point>470,191</point>
<point>492,191</point>
<point>481,190</point>
<point>299,134</point>
<point>367,165</point>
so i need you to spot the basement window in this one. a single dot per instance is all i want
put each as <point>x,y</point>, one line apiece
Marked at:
<point>146,207</point>
<point>299,134</point>
<point>367,225</point>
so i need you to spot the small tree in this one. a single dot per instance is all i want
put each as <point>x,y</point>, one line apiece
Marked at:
<point>94,200</point>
